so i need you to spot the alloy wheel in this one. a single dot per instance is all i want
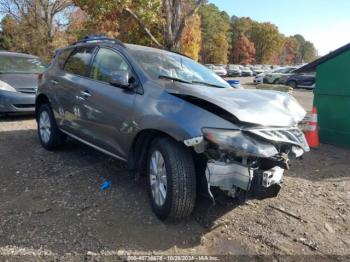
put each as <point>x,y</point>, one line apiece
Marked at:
<point>158,178</point>
<point>45,126</point>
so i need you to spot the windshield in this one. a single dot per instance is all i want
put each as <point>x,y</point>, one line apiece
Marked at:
<point>23,65</point>
<point>160,64</point>
<point>281,70</point>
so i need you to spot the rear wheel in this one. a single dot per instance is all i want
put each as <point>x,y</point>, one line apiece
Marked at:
<point>171,179</point>
<point>49,134</point>
<point>292,84</point>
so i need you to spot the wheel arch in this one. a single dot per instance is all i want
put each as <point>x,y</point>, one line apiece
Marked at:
<point>292,80</point>
<point>40,100</point>
<point>139,150</point>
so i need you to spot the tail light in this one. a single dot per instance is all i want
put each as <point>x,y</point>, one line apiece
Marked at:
<point>40,76</point>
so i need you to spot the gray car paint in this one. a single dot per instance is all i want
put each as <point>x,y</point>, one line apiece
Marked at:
<point>23,99</point>
<point>25,84</point>
<point>266,108</point>
<point>112,117</point>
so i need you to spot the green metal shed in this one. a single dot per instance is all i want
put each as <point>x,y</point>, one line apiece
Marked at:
<point>332,95</point>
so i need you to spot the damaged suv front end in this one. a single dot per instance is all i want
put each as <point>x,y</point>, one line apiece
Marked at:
<point>250,160</point>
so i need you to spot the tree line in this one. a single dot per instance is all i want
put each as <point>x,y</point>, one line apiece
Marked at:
<point>193,27</point>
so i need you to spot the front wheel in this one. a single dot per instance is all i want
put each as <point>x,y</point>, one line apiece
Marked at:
<point>171,179</point>
<point>49,134</point>
<point>292,84</point>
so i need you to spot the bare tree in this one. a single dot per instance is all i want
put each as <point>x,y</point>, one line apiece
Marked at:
<point>142,25</point>
<point>37,13</point>
<point>175,18</point>
<point>175,21</point>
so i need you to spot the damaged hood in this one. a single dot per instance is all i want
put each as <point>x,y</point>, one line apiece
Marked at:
<point>261,107</point>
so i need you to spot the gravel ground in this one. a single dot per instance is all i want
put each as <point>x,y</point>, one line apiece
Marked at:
<point>51,208</point>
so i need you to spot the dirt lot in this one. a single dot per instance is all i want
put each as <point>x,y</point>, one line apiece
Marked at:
<point>51,207</point>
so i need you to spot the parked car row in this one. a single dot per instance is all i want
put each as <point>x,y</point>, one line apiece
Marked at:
<point>300,80</point>
<point>218,69</point>
<point>287,76</point>
<point>232,70</point>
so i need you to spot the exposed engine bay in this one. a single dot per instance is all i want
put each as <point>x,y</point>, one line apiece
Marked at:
<point>248,161</point>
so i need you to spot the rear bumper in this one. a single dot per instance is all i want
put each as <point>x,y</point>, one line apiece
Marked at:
<point>16,102</point>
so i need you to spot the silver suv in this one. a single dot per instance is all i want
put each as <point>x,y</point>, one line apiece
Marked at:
<point>170,119</point>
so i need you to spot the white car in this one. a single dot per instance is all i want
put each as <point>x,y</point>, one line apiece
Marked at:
<point>234,70</point>
<point>245,71</point>
<point>257,70</point>
<point>259,79</point>
<point>219,70</point>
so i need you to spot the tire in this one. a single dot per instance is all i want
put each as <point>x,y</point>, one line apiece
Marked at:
<point>180,184</point>
<point>50,136</point>
<point>292,84</point>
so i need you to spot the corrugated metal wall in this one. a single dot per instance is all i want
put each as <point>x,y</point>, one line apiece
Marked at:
<point>332,98</point>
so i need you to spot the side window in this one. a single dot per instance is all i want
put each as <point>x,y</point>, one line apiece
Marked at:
<point>106,63</point>
<point>79,60</point>
<point>63,57</point>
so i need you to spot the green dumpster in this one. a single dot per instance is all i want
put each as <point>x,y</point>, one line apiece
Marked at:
<point>332,99</point>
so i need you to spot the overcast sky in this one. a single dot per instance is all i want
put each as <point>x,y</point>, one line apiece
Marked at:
<point>326,23</point>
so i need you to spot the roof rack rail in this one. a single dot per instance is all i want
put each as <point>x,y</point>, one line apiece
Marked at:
<point>99,38</point>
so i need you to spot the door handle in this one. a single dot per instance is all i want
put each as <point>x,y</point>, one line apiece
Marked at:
<point>54,82</point>
<point>85,93</point>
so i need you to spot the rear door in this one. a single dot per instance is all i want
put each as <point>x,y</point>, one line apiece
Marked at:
<point>69,84</point>
<point>107,111</point>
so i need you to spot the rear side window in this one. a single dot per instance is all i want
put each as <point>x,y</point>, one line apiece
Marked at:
<point>79,61</point>
<point>63,57</point>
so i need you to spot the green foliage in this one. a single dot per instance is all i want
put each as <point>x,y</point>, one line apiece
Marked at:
<point>270,45</point>
<point>267,41</point>
<point>108,17</point>
<point>306,51</point>
<point>215,28</point>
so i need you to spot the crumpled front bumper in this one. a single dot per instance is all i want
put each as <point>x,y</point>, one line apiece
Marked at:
<point>235,168</point>
<point>232,176</point>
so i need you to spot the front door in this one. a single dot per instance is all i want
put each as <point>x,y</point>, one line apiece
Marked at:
<point>106,110</point>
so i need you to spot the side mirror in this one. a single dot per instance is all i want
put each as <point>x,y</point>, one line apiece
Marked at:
<point>120,79</point>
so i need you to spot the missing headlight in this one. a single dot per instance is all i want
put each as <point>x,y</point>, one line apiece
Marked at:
<point>238,142</point>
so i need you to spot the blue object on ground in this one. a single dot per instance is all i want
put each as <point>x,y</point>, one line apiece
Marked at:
<point>105,185</point>
<point>234,83</point>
